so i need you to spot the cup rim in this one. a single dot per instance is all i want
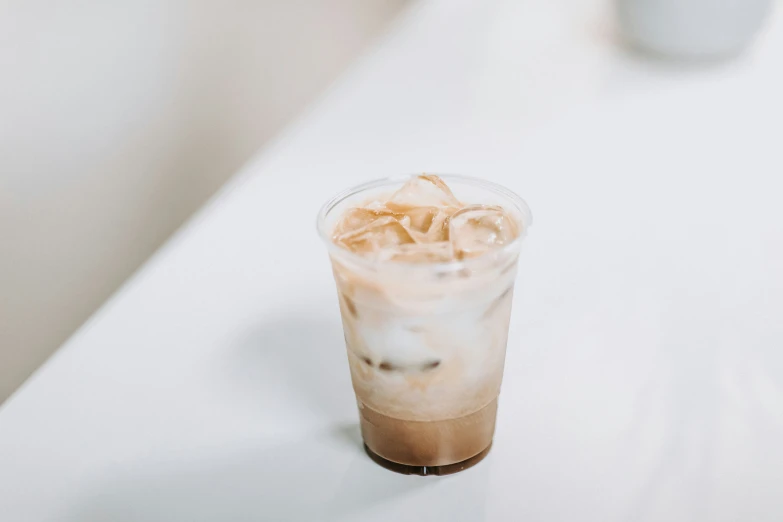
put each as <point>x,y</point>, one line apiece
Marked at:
<point>449,266</point>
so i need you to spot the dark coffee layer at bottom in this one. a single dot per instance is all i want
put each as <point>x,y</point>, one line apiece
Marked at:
<point>427,470</point>
<point>428,444</point>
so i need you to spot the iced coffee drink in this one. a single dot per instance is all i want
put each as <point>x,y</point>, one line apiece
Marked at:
<point>425,270</point>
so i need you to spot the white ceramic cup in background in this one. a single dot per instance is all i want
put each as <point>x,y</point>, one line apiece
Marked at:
<point>692,28</point>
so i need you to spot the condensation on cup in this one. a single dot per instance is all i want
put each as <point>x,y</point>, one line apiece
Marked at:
<point>425,269</point>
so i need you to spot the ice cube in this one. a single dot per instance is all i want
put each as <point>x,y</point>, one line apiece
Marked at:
<point>422,191</point>
<point>429,224</point>
<point>376,204</point>
<point>423,222</point>
<point>382,233</point>
<point>439,252</point>
<point>396,347</point>
<point>356,218</point>
<point>476,229</point>
<point>439,227</point>
<point>421,217</point>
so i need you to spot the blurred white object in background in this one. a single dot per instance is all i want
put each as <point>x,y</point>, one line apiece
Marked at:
<point>692,28</point>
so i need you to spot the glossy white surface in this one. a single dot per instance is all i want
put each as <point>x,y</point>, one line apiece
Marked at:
<point>644,378</point>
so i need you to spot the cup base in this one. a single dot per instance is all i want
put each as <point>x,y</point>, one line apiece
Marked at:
<point>428,444</point>
<point>427,470</point>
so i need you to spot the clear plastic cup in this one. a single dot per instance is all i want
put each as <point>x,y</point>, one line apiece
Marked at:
<point>426,341</point>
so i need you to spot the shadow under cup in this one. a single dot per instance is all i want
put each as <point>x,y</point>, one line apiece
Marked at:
<point>426,342</point>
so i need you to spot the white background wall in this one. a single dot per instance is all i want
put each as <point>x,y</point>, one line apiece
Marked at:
<point>118,119</point>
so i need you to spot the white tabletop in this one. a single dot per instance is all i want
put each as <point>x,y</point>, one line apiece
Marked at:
<point>644,377</point>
